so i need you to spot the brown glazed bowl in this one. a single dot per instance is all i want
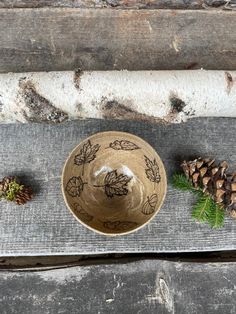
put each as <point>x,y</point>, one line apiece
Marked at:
<point>114,183</point>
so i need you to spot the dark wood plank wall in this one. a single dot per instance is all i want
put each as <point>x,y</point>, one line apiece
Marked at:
<point>106,39</point>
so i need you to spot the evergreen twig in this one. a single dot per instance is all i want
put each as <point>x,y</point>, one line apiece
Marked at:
<point>205,208</point>
<point>217,216</point>
<point>13,189</point>
<point>180,182</point>
<point>201,209</point>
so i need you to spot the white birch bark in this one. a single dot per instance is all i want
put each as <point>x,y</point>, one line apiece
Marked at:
<point>171,96</point>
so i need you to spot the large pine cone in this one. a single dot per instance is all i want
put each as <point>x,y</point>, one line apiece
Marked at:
<point>213,179</point>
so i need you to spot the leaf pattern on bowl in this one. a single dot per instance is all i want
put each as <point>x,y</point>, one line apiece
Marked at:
<point>115,184</point>
<point>150,205</point>
<point>123,145</point>
<point>152,170</point>
<point>75,186</point>
<point>119,225</point>
<point>86,155</point>
<point>82,213</point>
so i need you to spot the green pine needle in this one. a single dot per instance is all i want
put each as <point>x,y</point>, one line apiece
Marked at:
<point>13,188</point>
<point>217,216</point>
<point>205,209</point>
<point>179,181</point>
<point>201,209</point>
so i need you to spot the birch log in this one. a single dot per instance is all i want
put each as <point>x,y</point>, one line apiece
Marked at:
<point>153,96</point>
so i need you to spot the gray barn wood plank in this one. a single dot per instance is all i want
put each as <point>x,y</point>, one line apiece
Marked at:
<point>120,4</point>
<point>65,39</point>
<point>148,287</point>
<point>37,152</point>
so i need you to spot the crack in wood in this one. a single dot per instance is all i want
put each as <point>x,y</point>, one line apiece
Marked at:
<point>34,263</point>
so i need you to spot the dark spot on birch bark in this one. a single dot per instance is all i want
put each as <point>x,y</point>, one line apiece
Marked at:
<point>1,105</point>
<point>114,110</point>
<point>77,78</point>
<point>229,81</point>
<point>177,104</point>
<point>38,108</point>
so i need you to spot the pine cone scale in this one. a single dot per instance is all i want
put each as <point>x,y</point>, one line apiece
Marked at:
<point>233,186</point>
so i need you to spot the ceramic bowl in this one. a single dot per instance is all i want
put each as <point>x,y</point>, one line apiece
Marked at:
<point>114,182</point>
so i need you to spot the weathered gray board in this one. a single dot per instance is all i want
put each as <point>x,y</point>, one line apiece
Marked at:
<point>37,152</point>
<point>50,39</point>
<point>145,287</point>
<point>118,4</point>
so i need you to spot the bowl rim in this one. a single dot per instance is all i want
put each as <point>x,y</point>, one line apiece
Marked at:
<point>96,230</point>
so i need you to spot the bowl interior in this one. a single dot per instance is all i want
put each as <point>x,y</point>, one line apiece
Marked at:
<point>114,182</point>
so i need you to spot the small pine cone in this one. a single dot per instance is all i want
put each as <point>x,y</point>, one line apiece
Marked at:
<point>4,184</point>
<point>12,190</point>
<point>213,180</point>
<point>23,196</point>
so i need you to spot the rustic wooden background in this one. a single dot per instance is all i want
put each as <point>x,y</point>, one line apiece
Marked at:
<point>37,152</point>
<point>119,4</point>
<point>47,39</point>
<point>180,276</point>
<point>129,287</point>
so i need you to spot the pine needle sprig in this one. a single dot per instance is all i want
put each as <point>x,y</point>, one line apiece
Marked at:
<point>205,208</point>
<point>180,182</point>
<point>13,188</point>
<point>217,216</point>
<point>202,208</point>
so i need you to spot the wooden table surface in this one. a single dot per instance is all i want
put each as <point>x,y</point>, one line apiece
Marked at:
<point>37,152</point>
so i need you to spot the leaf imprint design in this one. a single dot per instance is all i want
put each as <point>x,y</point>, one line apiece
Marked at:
<point>119,225</point>
<point>86,154</point>
<point>150,205</point>
<point>152,170</point>
<point>115,184</point>
<point>123,145</point>
<point>75,186</point>
<point>82,213</point>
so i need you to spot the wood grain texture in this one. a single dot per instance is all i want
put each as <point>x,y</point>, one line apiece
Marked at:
<point>36,153</point>
<point>65,39</point>
<point>148,286</point>
<point>120,4</point>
